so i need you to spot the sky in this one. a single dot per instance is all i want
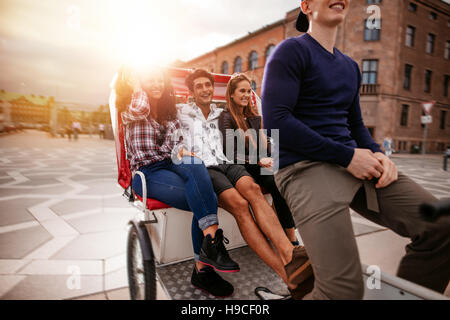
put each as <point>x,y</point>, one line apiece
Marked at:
<point>71,49</point>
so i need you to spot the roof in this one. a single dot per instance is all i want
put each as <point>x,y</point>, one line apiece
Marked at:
<point>35,99</point>
<point>243,38</point>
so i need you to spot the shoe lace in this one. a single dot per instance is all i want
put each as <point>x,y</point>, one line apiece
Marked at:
<point>220,239</point>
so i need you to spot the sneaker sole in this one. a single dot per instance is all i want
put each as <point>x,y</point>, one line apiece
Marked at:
<point>206,291</point>
<point>208,263</point>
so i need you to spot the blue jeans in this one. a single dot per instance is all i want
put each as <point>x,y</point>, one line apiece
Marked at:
<point>186,186</point>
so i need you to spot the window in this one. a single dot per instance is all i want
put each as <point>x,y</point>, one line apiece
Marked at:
<point>430,43</point>
<point>402,145</point>
<point>433,15</point>
<point>253,60</point>
<point>443,118</point>
<point>428,75</point>
<point>407,79</point>
<point>269,51</point>
<point>369,71</point>
<point>447,50</point>
<point>225,67</point>
<point>253,85</point>
<point>373,1</point>
<point>410,33</point>
<point>445,92</point>
<point>412,7</point>
<point>238,64</point>
<point>372,31</point>
<point>404,115</point>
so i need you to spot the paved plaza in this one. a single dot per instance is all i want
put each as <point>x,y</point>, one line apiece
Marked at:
<point>63,220</point>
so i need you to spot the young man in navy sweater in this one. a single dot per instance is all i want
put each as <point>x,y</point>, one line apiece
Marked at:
<point>329,162</point>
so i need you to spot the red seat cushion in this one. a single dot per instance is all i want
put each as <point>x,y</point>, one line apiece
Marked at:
<point>153,204</point>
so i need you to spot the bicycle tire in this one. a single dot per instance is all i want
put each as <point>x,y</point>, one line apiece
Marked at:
<point>137,265</point>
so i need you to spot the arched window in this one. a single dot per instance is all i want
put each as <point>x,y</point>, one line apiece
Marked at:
<point>253,85</point>
<point>269,51</point>
<point>225,67</point>
<point>238,64</point>
<point>253,61</point>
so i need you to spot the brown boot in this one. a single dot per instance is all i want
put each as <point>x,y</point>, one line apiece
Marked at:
<point>299,269</point>
<point>302,289</point>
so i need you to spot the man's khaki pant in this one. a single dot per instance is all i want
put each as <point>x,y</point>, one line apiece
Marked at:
<point>319,195</point>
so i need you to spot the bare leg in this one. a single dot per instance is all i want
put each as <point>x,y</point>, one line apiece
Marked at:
<point>290,233</point>
<point>265,217</point>
<point>233,202</point>
<point>211,230</point>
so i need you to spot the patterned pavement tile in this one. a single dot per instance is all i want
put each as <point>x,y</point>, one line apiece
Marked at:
<point>69,206</point>
<point>92,246</point>
<point>15,211</point>
<point>16,244</point>
<point>52,287</point>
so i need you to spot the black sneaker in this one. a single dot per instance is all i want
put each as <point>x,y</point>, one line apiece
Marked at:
<point>208,280</point>
<point>213,253</point>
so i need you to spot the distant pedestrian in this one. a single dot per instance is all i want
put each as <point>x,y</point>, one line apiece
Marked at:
<point>101,130</point>
<point>69,132</point>
<point>76,127</point>
<point>387,145</point>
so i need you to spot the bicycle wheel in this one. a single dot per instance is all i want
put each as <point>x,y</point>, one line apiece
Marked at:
<point>141,273</point>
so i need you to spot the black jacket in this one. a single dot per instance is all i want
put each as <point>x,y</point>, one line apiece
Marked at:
<point>226,121</point>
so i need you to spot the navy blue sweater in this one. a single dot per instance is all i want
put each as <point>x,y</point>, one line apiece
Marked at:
<point>312,97</point>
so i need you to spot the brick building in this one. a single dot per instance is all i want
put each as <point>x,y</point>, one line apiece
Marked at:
<point>32,111</point>
<point>404,64</point>
<point>29,109</point>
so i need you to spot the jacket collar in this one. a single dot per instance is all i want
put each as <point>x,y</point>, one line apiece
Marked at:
<point>194,111</point>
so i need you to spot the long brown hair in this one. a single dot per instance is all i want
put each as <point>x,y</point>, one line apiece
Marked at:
<point>165,110</point>
<point>249,109</point>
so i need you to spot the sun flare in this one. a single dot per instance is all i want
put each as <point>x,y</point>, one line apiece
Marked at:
<point>142,37</point>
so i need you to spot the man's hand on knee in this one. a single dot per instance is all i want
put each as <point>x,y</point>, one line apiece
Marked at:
<point>390,173</point>
<point>365,165</point>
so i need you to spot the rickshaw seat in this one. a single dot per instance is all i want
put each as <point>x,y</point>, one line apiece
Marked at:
<point>153,204</point>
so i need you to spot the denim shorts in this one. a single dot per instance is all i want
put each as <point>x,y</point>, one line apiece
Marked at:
<point>225,176</point>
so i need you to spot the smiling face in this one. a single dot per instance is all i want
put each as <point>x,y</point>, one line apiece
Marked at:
<point>242,93</point>
<point>203,91</point>
<point>329,13</point>
<point>153,85</point>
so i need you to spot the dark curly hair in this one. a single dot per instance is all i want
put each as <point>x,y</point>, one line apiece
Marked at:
<point>198,73</point>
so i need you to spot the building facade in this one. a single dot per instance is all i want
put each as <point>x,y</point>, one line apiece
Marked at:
<point>404,61</point>
<point>25,109</point>
<point>29,110</point>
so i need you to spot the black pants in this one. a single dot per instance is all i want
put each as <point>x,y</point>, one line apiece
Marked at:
<point>268,183</point>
